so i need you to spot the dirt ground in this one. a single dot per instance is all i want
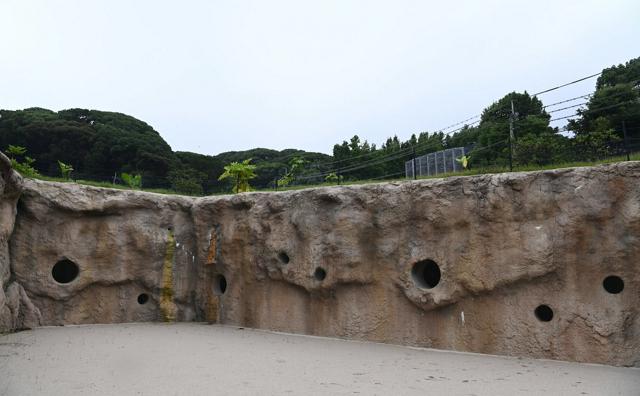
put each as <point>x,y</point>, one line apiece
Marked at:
<point>200,359</point>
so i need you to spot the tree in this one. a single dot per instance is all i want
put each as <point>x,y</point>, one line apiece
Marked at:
<point>616,99</point>
<point>187,181</point>
<point>95,143</point>
<point>596,145</point>
<point>240,173</point>
<point>542,149</point>
<point>492,147</point>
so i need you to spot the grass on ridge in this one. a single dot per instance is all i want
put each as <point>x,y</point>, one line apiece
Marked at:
<point>470,172</point>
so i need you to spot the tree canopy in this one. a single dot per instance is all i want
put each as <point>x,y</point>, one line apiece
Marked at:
<point>101,146</point>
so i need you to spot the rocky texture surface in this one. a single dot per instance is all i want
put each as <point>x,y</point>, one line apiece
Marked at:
<point>510,264</point>
<point>16,310</point>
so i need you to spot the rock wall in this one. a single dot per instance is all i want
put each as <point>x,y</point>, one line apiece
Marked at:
<point>540,264</point>
<point>16,310</point>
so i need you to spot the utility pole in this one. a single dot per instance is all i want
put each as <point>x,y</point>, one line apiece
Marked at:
<point>413,162</point>
<point>626,140</point>
<point>512,137</point>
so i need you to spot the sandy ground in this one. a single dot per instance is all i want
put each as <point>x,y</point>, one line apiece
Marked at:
<point>199,359</point>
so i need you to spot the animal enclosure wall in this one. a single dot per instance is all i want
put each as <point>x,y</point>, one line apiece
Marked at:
<point>539,264</point>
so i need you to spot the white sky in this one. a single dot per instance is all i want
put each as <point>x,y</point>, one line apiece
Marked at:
<point>215,76</point>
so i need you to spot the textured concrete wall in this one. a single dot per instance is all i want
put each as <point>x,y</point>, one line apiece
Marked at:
<point>465,263</point>
<point>16,310</point>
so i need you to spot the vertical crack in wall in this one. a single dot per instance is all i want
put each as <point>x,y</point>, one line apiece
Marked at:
<point>167,306</point>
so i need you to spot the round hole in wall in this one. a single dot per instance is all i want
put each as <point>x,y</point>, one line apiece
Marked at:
<point>320,274</point>
<point>613,284</point>
<point>143,298</point>
<point>65,271</point>
<point>544,313</point>
<point>283,257</point>
<point>219,284</point>
<point>426,274</point>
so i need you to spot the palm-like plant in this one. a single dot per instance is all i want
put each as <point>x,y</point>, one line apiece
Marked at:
<point>133,181</point>
<point>65,170</point>
<point>240,173</point>
<point>296,166</point>
<point>25,167</point>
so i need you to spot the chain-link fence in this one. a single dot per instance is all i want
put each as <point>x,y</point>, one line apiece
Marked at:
<point>443,161</point>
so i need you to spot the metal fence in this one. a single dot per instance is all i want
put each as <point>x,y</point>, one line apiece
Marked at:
<point>443,161</point>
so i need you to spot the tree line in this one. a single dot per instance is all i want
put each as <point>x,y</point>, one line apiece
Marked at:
<point>106,146</point>
<point>595,132</point>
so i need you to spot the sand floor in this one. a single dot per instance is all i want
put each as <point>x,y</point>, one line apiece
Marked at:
<point>200,359</point>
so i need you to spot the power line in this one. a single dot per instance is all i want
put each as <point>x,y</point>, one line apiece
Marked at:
<point>497,110</point>
<point>398,154</point>
<point>388,175</point>
<point>458,123</point>
<point>594,110</point>
<point>375,161</point>
<point>406,149</point>
<point>486,147</point>
<point>568,100</point>
<point>568,107</point>
<point>567,84</point>
<point>379,160</point>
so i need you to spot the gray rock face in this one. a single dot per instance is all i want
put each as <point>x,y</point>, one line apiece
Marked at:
<point>522,264</point>
<point>16,310</point>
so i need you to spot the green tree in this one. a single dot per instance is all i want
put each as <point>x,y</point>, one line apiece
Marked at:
<point>493,131</point>
<point>240,173</point>
<point>187,181</point>
<point>596,145</point>
<point>545,148</point>
<point>96,144</point>
<point>616,99</point>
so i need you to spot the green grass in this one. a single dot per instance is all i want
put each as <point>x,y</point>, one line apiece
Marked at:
<point>470,172</point>
<point>475,172</point>
<point>105,185</point>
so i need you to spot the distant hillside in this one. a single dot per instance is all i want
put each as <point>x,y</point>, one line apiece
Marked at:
<point>100,145</point>
<point>271,164</point>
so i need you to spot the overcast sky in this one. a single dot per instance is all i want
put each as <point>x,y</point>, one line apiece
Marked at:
<point>215,76</point>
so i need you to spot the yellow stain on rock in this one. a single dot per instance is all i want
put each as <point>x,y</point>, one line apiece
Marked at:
<point>167,306</point>
<point>213,246</point>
